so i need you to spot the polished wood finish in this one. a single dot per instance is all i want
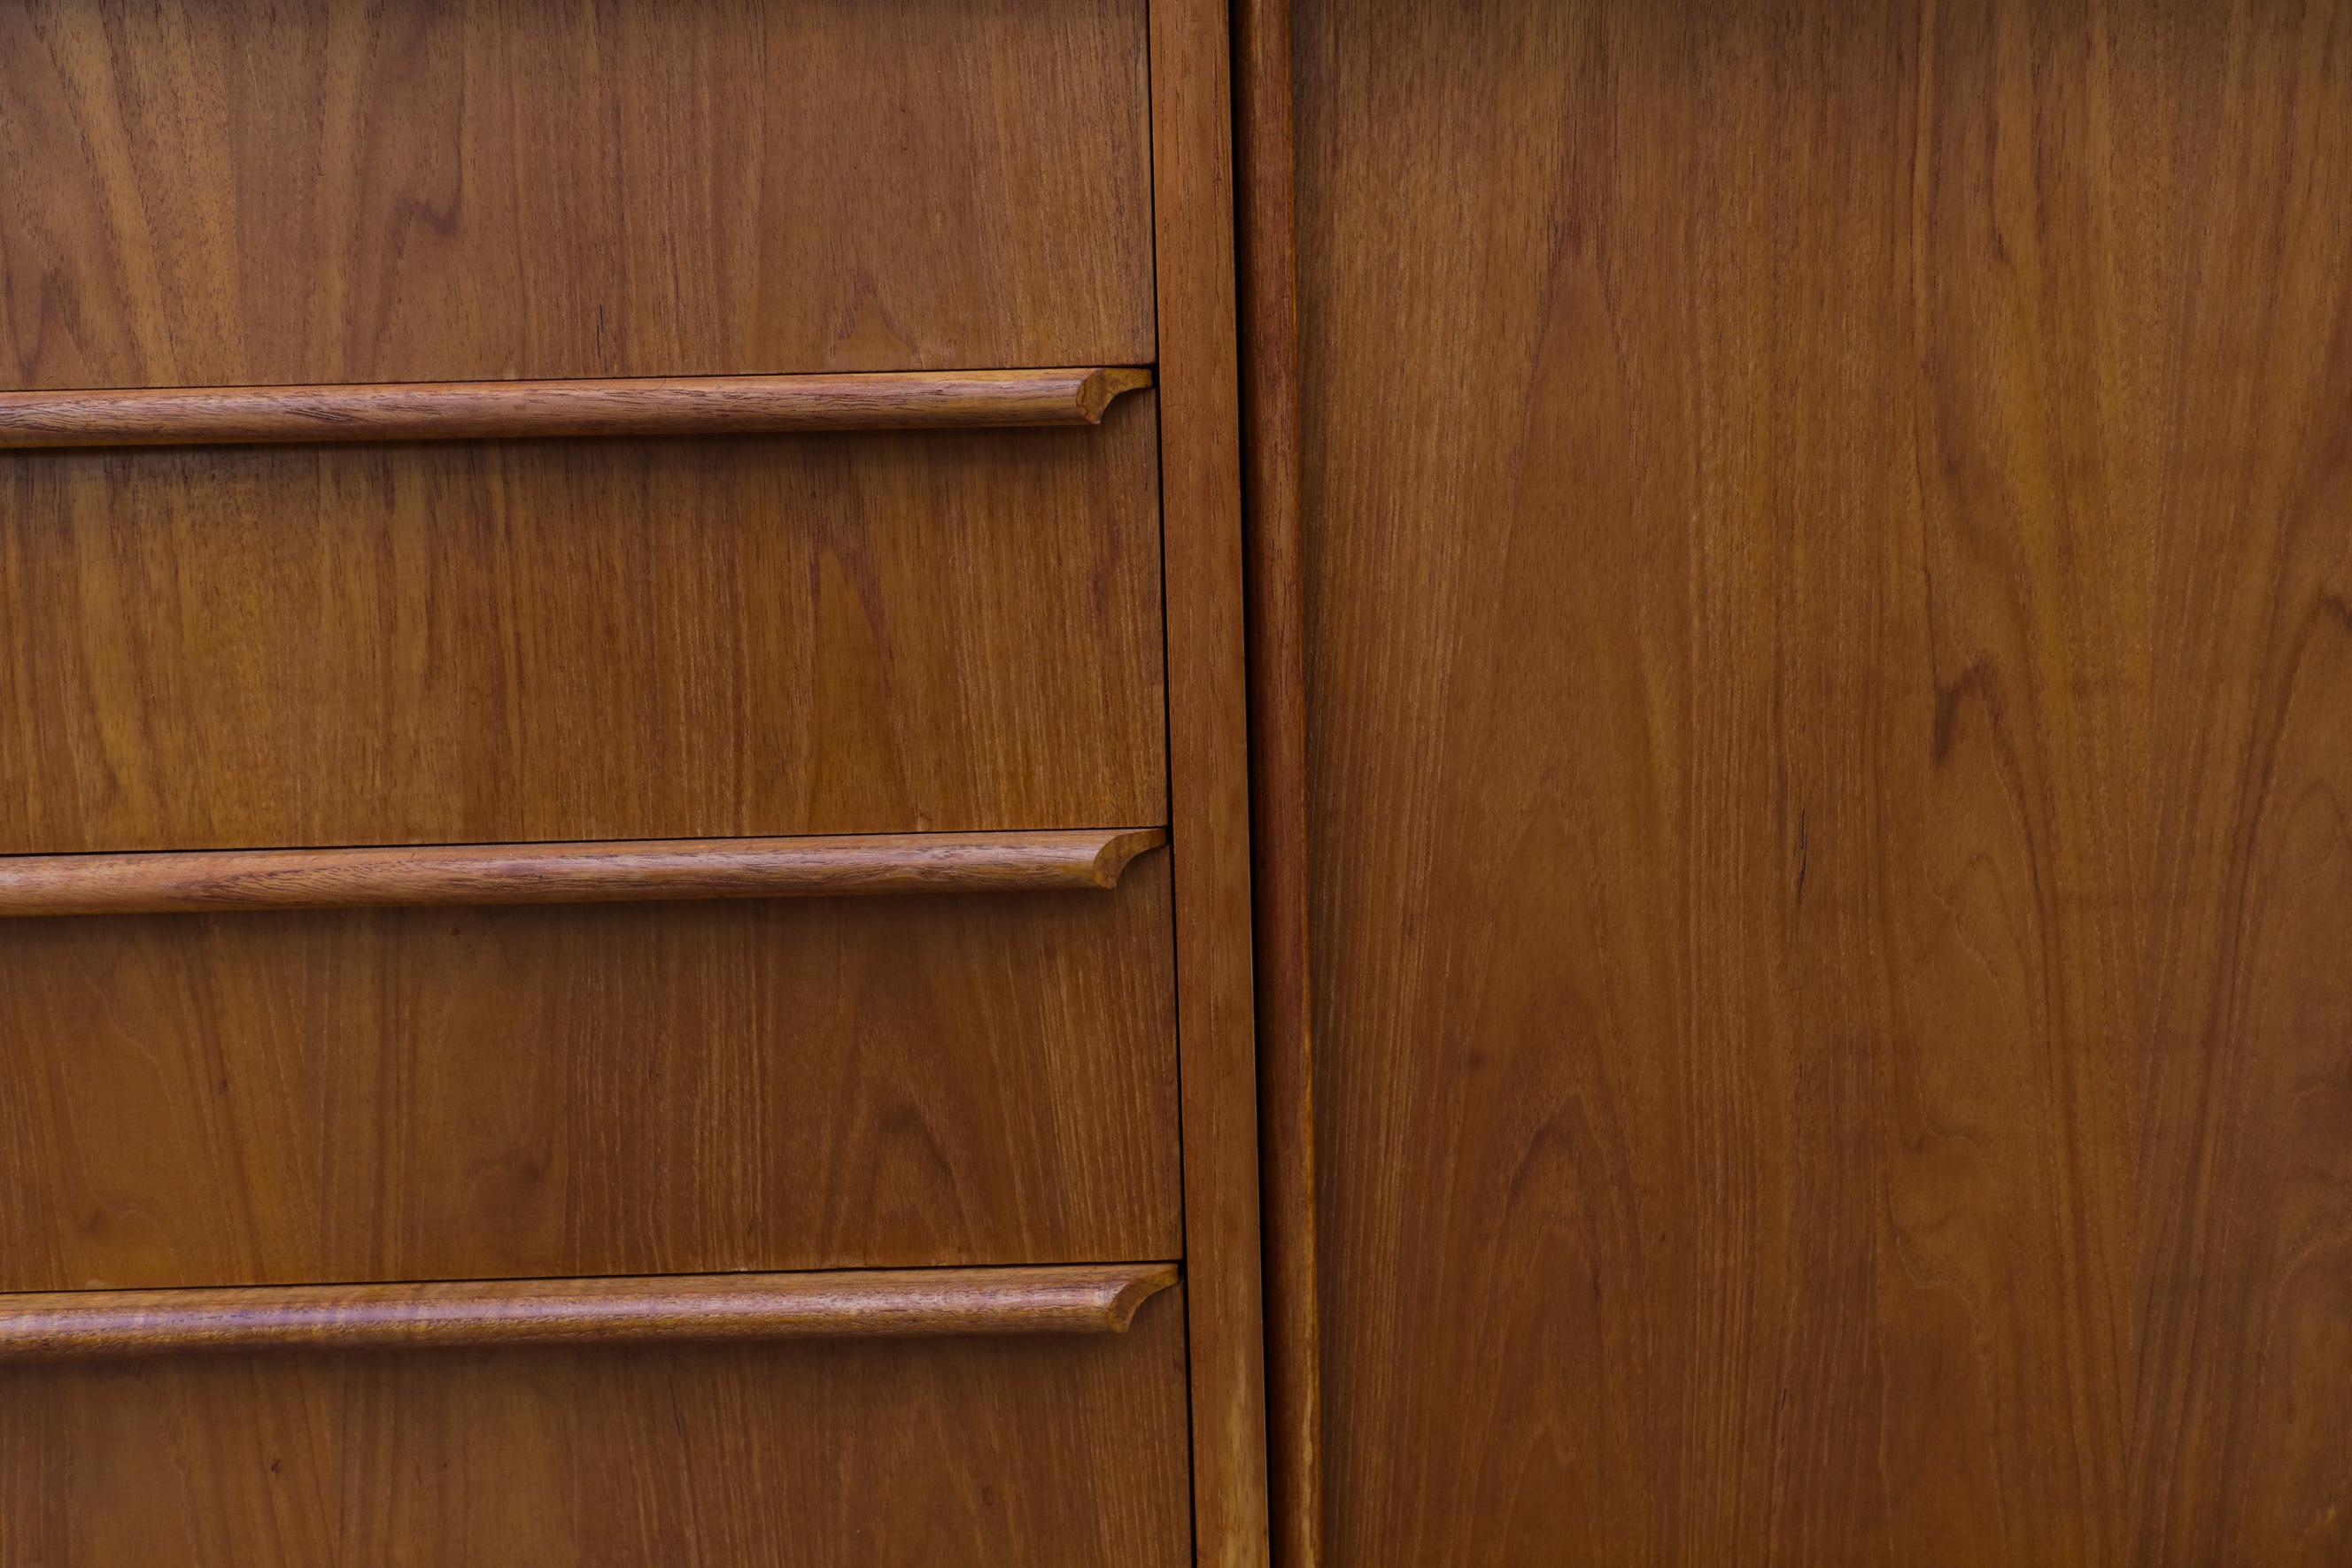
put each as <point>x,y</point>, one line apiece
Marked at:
<point>1040,1450</point>
<point>1209,773</point>
<point>482,411</point>
<point>504,642</point>
<point>1267,244</point>
<point>244,192</point>
<point>584,1089</point>
<point>1832,731</point>
<point>452,874</point>
<point>302,623</point>
<point>115,1325</point>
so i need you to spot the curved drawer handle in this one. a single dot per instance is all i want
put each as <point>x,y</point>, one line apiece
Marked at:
<point>482,411</point>
<point>617,872</point>
<point>101,1325</point>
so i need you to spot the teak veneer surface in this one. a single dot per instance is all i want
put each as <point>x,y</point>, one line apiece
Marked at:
<point>241,192</point>
<point>497,641</point>
<point>1831,732</point>
<point>573,1090</point>
<point>1047,1450</point>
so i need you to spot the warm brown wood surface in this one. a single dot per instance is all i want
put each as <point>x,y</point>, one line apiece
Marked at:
<point>474,410</point>
<point>1055,1452</point>
<point>1831,534</point>
<point>573,1090</point>
<point>110,1325</point>
<point>1266,240</point>
<point>502,642</point>
<point>1199,376</point>
<point>241,192</point>
<point>643,870</point>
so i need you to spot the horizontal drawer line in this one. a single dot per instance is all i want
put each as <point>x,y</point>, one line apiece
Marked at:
<point>97,1325</point>
<point>476,410</point>
<point>168,883</point>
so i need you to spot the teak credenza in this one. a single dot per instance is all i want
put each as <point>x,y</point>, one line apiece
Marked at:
<point>622,788</point>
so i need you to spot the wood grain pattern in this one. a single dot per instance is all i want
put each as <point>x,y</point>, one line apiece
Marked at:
<point>1267,243</point>
<point>864,1303</point>
<point>1832,741</point>
<point>1060,1452</point>
<point>1207,698</point>
<point>504,642</point>
<point>224,193</point>
<point>482,411</point>
<point>641,870</point>
<point>584,1089</point>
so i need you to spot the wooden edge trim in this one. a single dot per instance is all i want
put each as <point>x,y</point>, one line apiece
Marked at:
<point>97,1325</point>
<point>478,410</point>
<point>1275,606</point>
<point>1201,531</point>
<point>167,882</point>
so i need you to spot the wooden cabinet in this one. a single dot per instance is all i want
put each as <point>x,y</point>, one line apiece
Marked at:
<point>625,917</point>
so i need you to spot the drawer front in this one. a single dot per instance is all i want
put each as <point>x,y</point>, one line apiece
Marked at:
<point>501,641</point>
<point>1037,1451</point>
<point>590,1089</point>
<point>247,191</point>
